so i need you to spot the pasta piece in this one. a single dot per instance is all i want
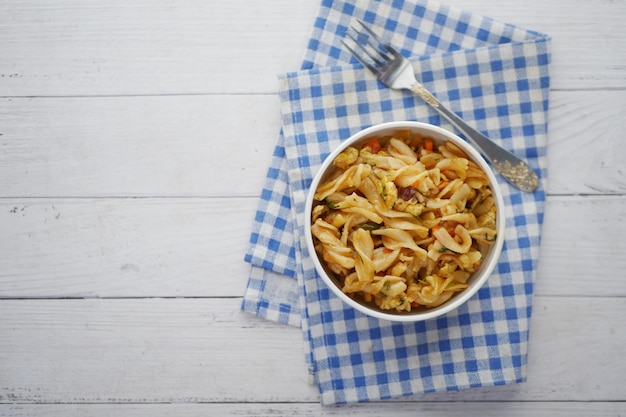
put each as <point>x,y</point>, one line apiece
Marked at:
<point>463,218</point>
<point>449,188</point>
<point>372,190</point>
<point>430,292</point>
<point>381,160</point>
<point>399,269</point>
<point>389,285</point>
<point>408,224</point>
<point>452,243</point>
<point>334,250</point>
<point>351,178</point>
<point>399,149</point>
<point>457,165</point>
<point>437,203</point>
<point>364,247</point>
<point>351,284</point>
<point>460,196</point>
<point>409,175</point>
<point>318,211</point>
<point>483,206</point>
<point>435,250</point>
<point>353,220</point>
<point>397,239</point>
<point>483,234</point>
<point>354,203</point>
<point>450,150</point>
<point>487,220</point>
<point>383,258</point>
<point>389,293</point>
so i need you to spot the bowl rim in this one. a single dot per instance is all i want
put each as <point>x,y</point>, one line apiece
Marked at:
<point>487,266</point>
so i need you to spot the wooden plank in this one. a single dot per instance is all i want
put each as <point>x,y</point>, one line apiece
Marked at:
<point>137,146</point>
<point>69,47</point>
<point>581,238</point>
<point>585,152</point>
<point>195,247</point>
<point>124,247</point>
<point>146,351</point>
<point>397,409</point>
<point>141,146</point>
<point>204,350</point>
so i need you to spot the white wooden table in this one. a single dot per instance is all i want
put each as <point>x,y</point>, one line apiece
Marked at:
<point>134,138</point>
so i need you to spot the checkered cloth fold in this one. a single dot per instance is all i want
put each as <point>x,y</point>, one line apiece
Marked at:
<point>495,76</point>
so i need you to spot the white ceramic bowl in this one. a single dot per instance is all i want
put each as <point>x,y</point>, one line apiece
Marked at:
<point>477,279</point>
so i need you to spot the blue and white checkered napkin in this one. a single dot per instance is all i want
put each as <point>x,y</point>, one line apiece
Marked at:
<point>495,76</point>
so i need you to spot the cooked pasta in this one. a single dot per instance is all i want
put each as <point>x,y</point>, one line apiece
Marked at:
<point>403,223</point>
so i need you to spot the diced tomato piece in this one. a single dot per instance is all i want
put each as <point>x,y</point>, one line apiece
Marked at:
<point>428,144</point>
<point>374,145</point>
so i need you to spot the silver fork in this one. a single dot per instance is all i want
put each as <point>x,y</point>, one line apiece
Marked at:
<point>395,71</point>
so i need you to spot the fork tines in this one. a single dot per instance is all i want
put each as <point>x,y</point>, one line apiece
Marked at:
<point>374,50</point>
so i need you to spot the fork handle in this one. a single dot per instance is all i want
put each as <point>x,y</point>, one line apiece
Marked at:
<point>512,168</point>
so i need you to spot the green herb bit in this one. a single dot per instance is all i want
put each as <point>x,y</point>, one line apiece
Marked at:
<point>369,226</point>
<point>444,249</point>
<point>492,239</point>
<point>331,205</point>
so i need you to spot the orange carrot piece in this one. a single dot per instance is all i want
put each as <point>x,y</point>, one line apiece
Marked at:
<point>428,144</point>
<point>374,145</point>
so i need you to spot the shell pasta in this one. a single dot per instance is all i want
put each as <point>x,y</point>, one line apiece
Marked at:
<point>403,223</point>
